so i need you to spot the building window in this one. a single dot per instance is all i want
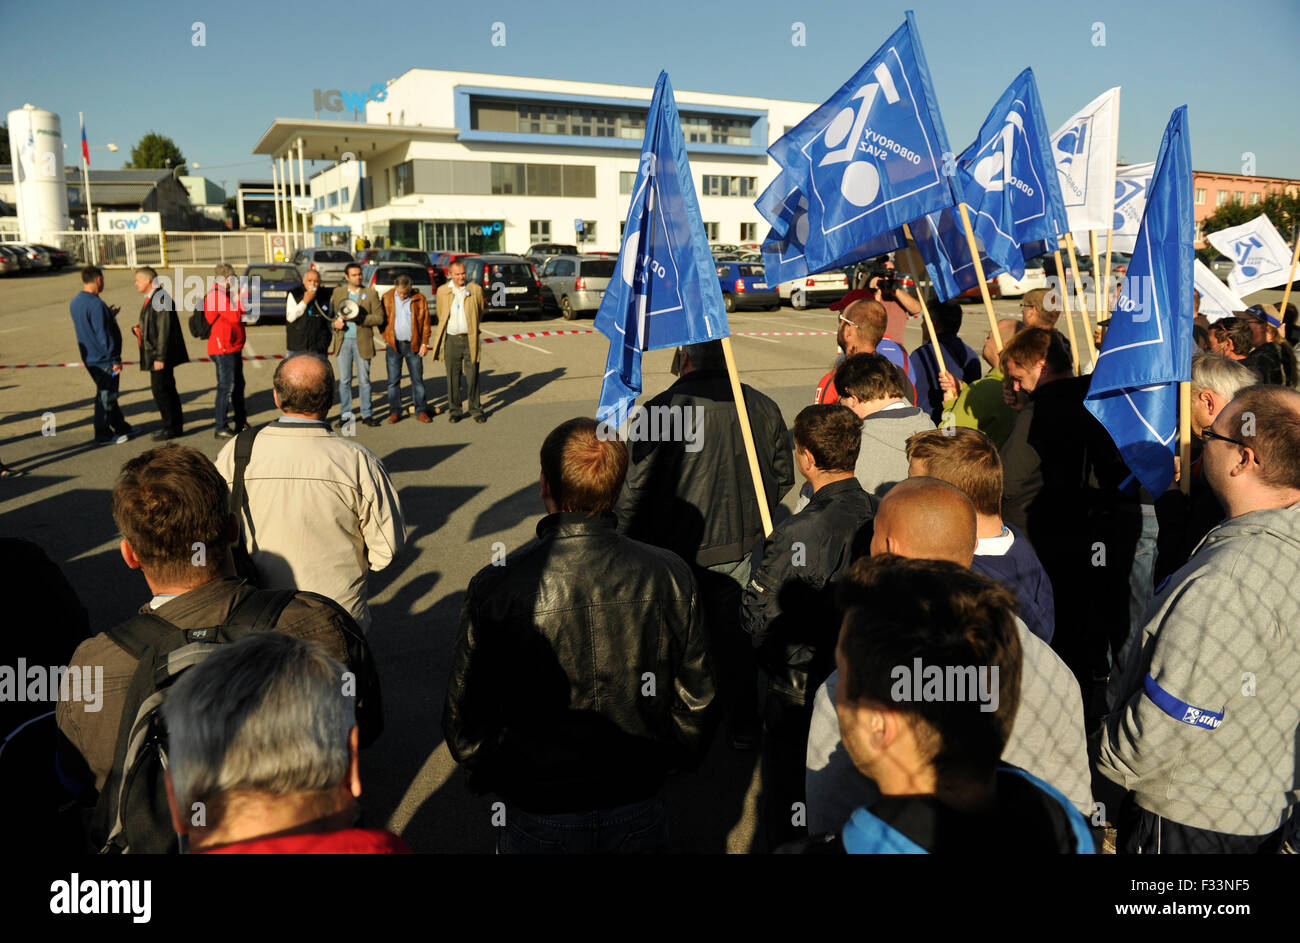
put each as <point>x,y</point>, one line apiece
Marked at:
<point>711,231</point>
<point>1238,197</point>
<point>404,179</point>
<point>729,186</point>
<point>508,179</point>
<point>539,230</point>
<point>748,232</point>
<point>1200,227</point>
<point>1254,198</point>
<point>1200,197</point>
<point>588,230</point>
<point>343,196</point>
<point>626,181</point>
<point>1221,198</point>
<point>597,121</point>
<point>333,200</point>
<point>622,228</point>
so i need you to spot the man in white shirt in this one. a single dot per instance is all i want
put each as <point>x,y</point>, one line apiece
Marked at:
<point>459,307</point>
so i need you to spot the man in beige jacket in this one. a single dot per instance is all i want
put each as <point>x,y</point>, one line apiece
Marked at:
<point>320,510</point>
<point>459,306</point>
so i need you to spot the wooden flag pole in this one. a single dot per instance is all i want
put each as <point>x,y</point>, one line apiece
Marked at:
<point>1286,292</point>
<point>1083,297</point>
<point>1069,317</point>
<point>925,312</point>
<point>748,435</point>
<point>1096,273</point>
<point>979,273</point>
<point>1105,290</point>
<point>1185,437</point>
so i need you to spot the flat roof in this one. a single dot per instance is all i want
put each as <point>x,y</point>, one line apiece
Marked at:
<point>326,139</point>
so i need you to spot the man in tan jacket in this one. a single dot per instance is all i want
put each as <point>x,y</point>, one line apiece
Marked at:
<point>459,306</point>
<point>320,510</point>
<point>406,332</point>
<point>354,341</point>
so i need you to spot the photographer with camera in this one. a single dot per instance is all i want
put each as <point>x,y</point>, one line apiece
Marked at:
<point>883,282</point>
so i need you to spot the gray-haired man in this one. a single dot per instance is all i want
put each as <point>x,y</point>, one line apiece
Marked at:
<point>262,738</point>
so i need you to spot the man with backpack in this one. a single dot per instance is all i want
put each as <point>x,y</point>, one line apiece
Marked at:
<point>171,506</point>
<point>223,314</point>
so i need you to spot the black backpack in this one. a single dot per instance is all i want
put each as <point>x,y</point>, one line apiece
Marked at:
<point>132,814</point>
<point>200,326</point>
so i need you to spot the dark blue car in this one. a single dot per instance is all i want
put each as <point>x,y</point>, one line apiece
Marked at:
<point>744,285</point>
<point>267,288</point>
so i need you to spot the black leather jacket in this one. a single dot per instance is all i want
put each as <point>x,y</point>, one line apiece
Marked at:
<point>700,504</point>
<point>788,607</point>
<point>580,678</point>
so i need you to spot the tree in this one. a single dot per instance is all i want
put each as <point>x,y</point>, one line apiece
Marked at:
<point>155,151</point>
<point>4,144</point>
<point>1283,211</point>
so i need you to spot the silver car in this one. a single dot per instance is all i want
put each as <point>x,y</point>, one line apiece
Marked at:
<point>575,283</point>
<point>330,263</point>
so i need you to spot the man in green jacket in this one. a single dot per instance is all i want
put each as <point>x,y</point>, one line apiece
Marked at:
<point>980,405</point>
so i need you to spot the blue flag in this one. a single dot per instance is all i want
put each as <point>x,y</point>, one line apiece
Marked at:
<point>866,161</point>
<point>941,239</point>
<point>665,289</point>
<point>1008,179</point>
<point>1148,348</point>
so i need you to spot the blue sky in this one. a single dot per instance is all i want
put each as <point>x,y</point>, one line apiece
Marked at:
<point>132,68</point>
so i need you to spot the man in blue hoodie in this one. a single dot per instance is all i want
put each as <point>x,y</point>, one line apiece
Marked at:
<point>930,662</point>
<point>100,343</point>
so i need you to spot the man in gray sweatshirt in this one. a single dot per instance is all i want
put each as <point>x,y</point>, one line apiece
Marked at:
<point>1205,739</point>
<point>873,388</point>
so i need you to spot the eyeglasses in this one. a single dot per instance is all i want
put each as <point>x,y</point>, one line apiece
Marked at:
<point>847,321</point>
<point>1208,433</point>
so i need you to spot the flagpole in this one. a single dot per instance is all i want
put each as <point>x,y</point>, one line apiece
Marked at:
<point>1069,317</point>
<point>925,313</point>
<point>748,435</point>
<point>979,273</point>
<point>1083,297</point>
<point>1286,292</point>
<point>93,254</point>
<point>1105,291</point>
<point>1185,437</point>
<point>1096,272</point>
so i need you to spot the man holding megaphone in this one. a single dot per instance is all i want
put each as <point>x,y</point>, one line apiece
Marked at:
<point>359,312</point>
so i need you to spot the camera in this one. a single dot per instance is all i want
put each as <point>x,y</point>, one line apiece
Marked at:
<point>887,283</point>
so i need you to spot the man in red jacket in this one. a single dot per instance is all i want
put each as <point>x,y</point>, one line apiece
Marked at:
<point>224,311</point>
<point>262,743</point>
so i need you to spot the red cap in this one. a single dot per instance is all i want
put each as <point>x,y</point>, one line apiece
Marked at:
<point>858,294</point>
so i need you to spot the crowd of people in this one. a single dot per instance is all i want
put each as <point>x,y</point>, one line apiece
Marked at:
<point>974,630</point>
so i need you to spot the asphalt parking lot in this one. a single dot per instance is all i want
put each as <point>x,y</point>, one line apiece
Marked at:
<point>463,488</point>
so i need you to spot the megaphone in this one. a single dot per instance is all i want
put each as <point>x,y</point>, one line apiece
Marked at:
<point>348,309</point>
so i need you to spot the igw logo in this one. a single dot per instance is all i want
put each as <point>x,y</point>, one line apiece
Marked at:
<point>133,223</point>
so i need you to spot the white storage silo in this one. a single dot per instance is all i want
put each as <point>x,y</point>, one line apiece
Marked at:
<point>41,194</point>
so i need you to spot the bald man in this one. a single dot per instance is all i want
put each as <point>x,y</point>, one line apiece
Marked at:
<point>980,405</point>
<point>319,511</point>
<point>927,518</point>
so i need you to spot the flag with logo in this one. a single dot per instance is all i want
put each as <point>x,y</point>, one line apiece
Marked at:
<point>1259,251</point>
<point>1085,149</point>
<point>869,159</point>
<point>1218,301</point>
<point>1132,182</point>
<point>1008,179</point>
<point>665,290</point>
<point>1148,348</point>
<point>941,240</point>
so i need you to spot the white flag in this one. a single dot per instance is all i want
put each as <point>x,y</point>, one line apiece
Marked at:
<point>1086,148</point>
<point>1131,184</point>
<point>1262,257</point>
<point>1217,300</point>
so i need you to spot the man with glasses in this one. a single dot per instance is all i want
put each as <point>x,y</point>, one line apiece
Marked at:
<point>862,322</point>
<point>1204,738</point>
<point>354,341</point>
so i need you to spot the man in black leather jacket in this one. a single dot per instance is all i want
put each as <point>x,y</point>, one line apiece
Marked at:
<point>788,607</point>
<point>580,678</point>
<point>696,498</point>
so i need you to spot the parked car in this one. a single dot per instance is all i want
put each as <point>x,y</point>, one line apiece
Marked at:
<point>267,290</point>
<point>443,260</point>
<point>37,259</point>
<point>510,284</point>
<point>575,283</point>
<point>330,263</point>
<point>1222,265</point>
<point>744,285</point>
<point>539,252</point>
<point>58,258</point>
<point>1008,286</point>
<point>814,289</point>
<point>413,256</point>
<point>381,276</point>
<point>1049,265</point>
<point>9,263</point>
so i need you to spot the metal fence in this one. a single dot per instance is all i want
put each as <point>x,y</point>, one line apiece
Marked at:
<point>127,250</point>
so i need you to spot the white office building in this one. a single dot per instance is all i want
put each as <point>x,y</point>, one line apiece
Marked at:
<point>469,161</point>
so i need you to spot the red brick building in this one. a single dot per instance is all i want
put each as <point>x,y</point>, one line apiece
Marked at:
<point>1213,190</point>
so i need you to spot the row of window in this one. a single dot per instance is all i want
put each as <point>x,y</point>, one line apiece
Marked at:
<point>481,177</point>
<point>1238,197</point>
<point>710,185</point>
<point>537,118</point>
<point>331,200</point>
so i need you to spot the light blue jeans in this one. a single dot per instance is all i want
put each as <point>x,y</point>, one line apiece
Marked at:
<point>346,357</point>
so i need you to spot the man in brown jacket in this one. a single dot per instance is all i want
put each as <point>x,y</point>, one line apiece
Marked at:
<point>406,332</point>
<point>354,340</point>
<point>170,504</point>
<point>459,306</point>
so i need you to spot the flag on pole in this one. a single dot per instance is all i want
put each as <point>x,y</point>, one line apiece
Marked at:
<point>1218,301</point>
<point>1262,257</point>
<point>85,148</point>
<point>941,241</point>
<point>1086,148</point>
<point>1131,185</point>
<point>1148,348</point>
<point>866,161</point>
<point>1008,179</point>
<point>665,290</point>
